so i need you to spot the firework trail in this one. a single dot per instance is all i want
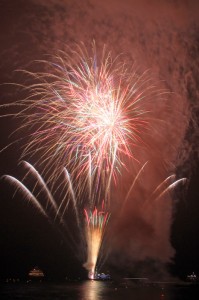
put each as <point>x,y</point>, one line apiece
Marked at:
<point>40,180</point>
<point>27,193</point>
<point>163,188</point>
<point>55,214</point>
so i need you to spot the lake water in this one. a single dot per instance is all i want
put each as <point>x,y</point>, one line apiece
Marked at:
<point>96,290</point>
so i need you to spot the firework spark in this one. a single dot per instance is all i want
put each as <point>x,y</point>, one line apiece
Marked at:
<point>55,214</point>
<point>27,193</point>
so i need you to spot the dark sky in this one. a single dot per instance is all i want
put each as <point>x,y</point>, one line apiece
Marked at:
<point>161,36</point>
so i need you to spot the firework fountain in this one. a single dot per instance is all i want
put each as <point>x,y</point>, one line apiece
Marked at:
<point>96,223</point>
<point>85,116</point>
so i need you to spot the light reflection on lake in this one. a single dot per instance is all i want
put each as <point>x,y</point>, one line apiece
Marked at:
<point>93,290</point>
<point>96,290</point>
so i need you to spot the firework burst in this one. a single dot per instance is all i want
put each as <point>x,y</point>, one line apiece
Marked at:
<point>86,113</point>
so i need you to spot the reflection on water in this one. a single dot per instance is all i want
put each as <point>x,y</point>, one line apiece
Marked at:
<point>92,290</point>
<point>97,290</point>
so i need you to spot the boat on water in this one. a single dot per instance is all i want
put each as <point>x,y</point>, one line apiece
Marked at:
<point>102,276</point>
<point>99,276</point>
<point>36,274</point>
<point>192,278</point>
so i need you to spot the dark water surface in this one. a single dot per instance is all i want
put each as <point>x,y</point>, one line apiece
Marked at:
<point>97,290</point>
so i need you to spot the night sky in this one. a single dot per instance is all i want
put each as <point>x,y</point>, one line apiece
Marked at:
<point>161,37</point>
